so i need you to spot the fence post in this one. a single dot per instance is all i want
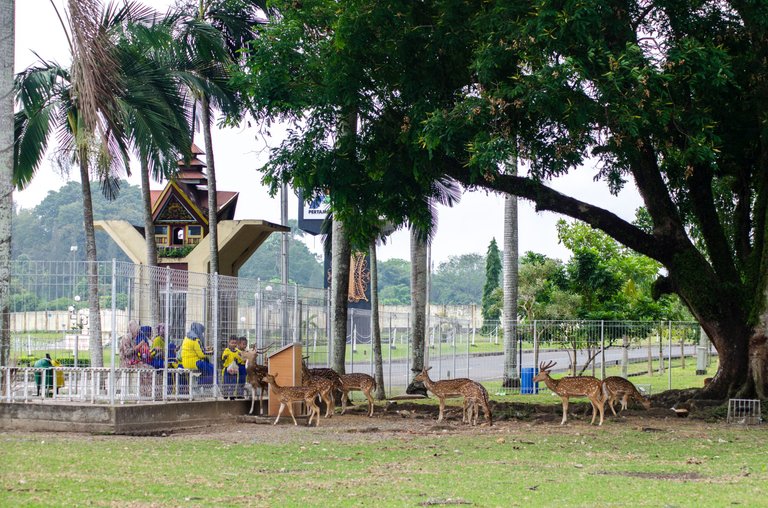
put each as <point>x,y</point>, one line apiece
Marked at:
<point>215,319</point>
<point>535,345</point>
<point>602,349</point>
<point>114,333</point>
<point>167,331</point>
<point>296,320</point>
<point>390,354</point>
<point>669,354</point>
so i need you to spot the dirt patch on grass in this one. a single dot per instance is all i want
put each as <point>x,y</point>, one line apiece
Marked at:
<point>655,476</point>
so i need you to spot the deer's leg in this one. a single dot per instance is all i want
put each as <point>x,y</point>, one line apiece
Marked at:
<point>442,408</point>
<point>625,402</point>
<point>611,400</point>
<point>253,401</point>
<point>316,410</point>
<point>330,406</point>
<point>282,406</point>
<point>601,406</point>
<point>565,410</point>
<point>344,396</point>
<point>290,411</point>
<point>370,402</point>
<point>261,399</point>
<point>594,410</point>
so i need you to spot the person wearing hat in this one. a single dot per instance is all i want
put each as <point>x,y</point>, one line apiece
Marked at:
<point>44,363</point>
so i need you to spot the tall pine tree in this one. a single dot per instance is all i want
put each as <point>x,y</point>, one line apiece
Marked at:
<point>491,310</point>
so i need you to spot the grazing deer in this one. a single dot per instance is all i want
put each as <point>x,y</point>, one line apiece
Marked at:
<point>254,375</point>
<point>443,389</point>
<point>323,385</point>
<point>577,386</point>
<point>617,388</point>
<point>287,395</point>
<point>475,395</point>
<point>360,382</point>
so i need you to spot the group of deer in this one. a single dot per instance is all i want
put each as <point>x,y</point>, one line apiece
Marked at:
<point>319,382</point>
<point>609,390</point>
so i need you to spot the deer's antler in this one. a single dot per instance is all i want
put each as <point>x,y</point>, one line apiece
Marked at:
<point>548,366</point>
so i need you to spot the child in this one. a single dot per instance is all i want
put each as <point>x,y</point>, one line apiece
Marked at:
<point>230,368</point>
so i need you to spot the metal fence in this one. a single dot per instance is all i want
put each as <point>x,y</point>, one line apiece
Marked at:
<point>51,315</point>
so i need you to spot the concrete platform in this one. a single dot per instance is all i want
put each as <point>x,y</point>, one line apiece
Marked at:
<point>135,419</point>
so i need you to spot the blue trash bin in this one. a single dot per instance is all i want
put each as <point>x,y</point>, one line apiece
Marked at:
<point>527,386</point>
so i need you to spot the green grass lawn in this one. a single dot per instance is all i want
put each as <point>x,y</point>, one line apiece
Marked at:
<point>520,464</point>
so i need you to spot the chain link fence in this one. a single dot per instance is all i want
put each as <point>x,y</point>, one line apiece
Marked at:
<point>51,315</point>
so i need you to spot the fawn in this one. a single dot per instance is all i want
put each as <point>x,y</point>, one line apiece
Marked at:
<point>254,375</point>
<point>475,395</point>
<point>618,388</point>
<point>577,386</point>
<point>443,389</point>
<point>287,395</point>
<point>324,386</point>
<point>357,381</point>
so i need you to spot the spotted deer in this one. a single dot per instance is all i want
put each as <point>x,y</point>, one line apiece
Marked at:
<point>360,382</point>
<point>443,389</point>
<point>577,386</point>
<point>287,395</point>
<point>617,388</point>
<point>254,375</point>
<point>475,396</point>
<point>324,386</point>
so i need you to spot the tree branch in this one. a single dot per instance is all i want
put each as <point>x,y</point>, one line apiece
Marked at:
<point>549,199</point>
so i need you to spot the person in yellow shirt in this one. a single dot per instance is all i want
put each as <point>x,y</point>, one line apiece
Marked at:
<point>230,371</point>
<point>192,355</point>
<point>158,347</point>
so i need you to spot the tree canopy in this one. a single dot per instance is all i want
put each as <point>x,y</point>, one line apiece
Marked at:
<point>670,96</point>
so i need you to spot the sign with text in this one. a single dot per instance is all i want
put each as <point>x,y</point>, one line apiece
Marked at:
<point>312,212</point>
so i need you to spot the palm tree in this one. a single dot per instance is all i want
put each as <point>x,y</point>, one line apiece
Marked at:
<point>418,305</point>
<point>216,34</point>
<point>509,283</point>
<point>98,109</point>
<point>6,171</point>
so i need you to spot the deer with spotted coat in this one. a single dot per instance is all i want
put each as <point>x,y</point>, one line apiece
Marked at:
<point>443,389</point>
<point>617,388</point>
<point>287,395</point>
<point>576,386</point>
<point>254,374</point>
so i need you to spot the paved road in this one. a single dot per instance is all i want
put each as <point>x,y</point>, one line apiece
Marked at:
<point>490,367</point>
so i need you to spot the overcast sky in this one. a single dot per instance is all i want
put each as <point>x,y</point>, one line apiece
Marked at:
<point>465,228</point>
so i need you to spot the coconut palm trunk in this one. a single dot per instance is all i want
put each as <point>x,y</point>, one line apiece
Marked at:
<point>6,170</point>
<point>375,325</point>
<point>94,314</point>
<point>511,377</point>
<point>149,238</point>
<point>213,222</point>
<point>418,307</point>
<point>340,257</point>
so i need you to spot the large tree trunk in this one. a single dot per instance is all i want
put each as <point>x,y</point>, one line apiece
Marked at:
<point>375,326</point>
<point>213,221</point>
<point>94,316</point>
<point>149,238</point>
<point>340,256</point>
<point>7,23</point>
<point>418,307</point>
<point>510,248</point>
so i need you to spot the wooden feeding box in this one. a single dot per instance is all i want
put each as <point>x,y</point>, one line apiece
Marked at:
<point>285,365</point>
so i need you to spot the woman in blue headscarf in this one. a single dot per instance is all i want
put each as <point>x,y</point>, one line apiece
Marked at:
<point>192,355</point>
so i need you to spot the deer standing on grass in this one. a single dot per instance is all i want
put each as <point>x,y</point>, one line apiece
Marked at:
<point>254,375</point>
<point>443,389</point>
<point>287,395</point>
<point>617,388</point>
<point>324,385</point>
<point>577,386</point>
<point>360,382</point>
<point>475,396</point>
